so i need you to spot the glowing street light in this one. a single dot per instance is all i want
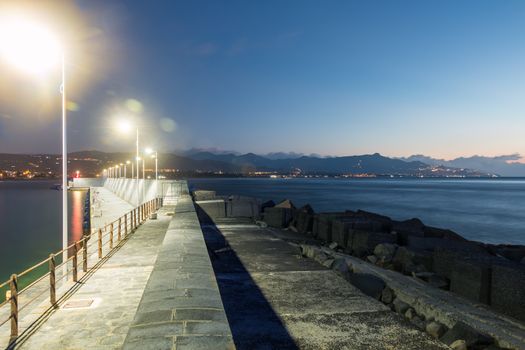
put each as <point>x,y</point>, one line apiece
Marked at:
<point>155,156</point>
<point>31,47</point>
<point>125,127</point>
<point>125,168</point>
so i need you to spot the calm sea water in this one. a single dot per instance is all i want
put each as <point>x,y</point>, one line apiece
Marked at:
<point>31,223</point>
<point>487,210</point>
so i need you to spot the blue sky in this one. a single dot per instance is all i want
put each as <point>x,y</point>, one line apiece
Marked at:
<point>442,78</point>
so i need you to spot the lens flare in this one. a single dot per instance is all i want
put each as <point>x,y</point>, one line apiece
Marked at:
<point>28,46</point>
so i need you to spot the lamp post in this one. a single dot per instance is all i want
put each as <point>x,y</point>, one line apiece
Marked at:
<point>33,48</point>
<point>153,155</point>
<point>125,126</point>
<point>125,168</point>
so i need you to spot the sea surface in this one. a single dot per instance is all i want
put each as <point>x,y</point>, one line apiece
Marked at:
<point>31,223</point>
<point>487,210</point>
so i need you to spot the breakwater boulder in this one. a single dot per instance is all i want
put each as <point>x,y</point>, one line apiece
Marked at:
<point>488,274</point>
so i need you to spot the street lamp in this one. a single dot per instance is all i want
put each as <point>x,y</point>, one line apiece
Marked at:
<point>31,47</point>
<point>125,168</point>
<point>125,126</point>
<point>154,155</point>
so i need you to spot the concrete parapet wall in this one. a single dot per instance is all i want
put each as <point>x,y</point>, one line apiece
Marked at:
<point>136,191</point>
<point>88,182</point>
<point>131,189</point>
<point>181,306</point>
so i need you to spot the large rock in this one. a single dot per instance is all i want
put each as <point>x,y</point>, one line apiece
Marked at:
<point>277,217</point>
<point>365,242</point>
<point>406,259</point>
<point>385,251</point>
<point>508,289</point>
<point>203,195</point>
<point>212,208</point>
<point>470,278</point>
<point>407,228</point>
<point>304,219</point>
<point>242,207</point>
<point>368,284</point>
<point>435,329</point>
<point>285,204</point>
<point>462,331</point>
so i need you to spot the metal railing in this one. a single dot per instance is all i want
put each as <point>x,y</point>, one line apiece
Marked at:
<point>117,231</point>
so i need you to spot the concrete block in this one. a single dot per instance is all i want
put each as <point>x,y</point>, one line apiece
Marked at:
<point>404,229</point>
<point>405,259</point>
<point>432,243</point>
<point>364,243</point>
<point>304,219</point>
<point>277,217</point>
<point>508,290</point>
<point>443,259</point>
<point>213,208</point>
<point>203,195</point>
<point>322,225</point>
<point>243,207</point>
<point>470,278</point>
<point>341,232</point>
<point>435,232</point>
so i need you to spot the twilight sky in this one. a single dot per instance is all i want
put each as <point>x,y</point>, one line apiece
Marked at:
<point>441,78</point>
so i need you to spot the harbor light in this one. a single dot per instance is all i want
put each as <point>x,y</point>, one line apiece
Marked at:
<point>30,46</point>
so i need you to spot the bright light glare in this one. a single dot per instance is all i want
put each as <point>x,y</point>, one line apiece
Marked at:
<point>28,46</point>
<point>149,150</point>
<point>124,126</point>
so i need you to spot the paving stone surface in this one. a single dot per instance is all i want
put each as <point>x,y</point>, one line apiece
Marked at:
<point>181,307</point>
<point>276,299</point>
<point>34,302</point>
<point>115,289</point>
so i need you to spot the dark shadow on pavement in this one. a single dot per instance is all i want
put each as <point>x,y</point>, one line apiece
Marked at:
<point>253,321</point>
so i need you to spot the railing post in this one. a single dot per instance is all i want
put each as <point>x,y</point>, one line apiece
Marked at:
<point>52,280</point>
<point>126,224</point>
<point>84,256</point>
<point>75,262</point>
<point>100,243</point>
<point>119,231</point>
<point>13,287</point>
<point>134,218</point>
<point>111,236</point>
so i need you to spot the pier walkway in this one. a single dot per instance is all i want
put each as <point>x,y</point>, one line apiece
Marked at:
<point>276,299</point>
<point>155,290</point>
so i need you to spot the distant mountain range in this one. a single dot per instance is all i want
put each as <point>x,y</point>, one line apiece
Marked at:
<point>362,164</point>
<point>506,165</point>
<point>212,161</point>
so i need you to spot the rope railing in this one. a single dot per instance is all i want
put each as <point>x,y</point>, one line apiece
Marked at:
<point>115,232</point>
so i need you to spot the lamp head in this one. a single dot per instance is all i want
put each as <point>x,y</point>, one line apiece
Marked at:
<point>28,45</point>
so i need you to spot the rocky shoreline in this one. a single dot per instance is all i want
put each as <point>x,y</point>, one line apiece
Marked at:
<point>486,276</point>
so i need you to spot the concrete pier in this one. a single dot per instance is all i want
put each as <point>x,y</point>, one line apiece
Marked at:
<point>275,299</point>
<point>186,281</point>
